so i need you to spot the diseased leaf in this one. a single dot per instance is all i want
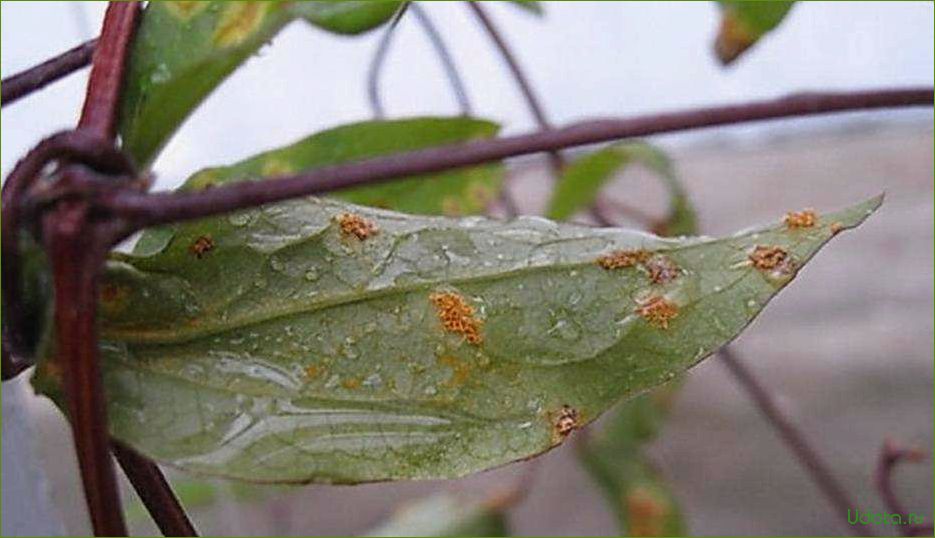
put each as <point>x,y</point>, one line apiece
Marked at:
<point>314,340</point>
<point>183,50</point>
<point>584,178</point>
<point>744,23</point>
<point>445,514</point>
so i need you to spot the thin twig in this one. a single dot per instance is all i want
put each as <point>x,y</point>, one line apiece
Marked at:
<point>161,208</point>
<point>154,490</point>
<point>892,455</point>
<point>817,468</point>
<point>15,87</point>
<point>441,50</point>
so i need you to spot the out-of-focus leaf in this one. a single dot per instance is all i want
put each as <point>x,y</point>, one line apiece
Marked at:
<point>183,50</point>
<point>584,178</point>
<point>464,191</point>
<point>638,495</point>
<point>744,23</point>
<point>531,6</point>
<point>444,514</point>
<point>314,340</point>
<point>346,17</point>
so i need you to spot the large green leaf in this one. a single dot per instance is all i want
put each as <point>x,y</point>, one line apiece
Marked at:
<point>743,23</point>
<point>444,514</point>
<point>583,179</point>
<point>314,340</point>
<point>465,191</point>
<point>183,50</point>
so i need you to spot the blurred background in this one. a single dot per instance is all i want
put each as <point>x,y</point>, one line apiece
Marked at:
<point>848,349</point>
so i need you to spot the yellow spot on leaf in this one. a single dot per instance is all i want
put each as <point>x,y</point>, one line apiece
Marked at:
<point>620,259</point>
<point>658,311</point>
<point>312,371</point>
<point>201,246</point>
<point>836,228</point>
<point>357,226</point>
<point>800,219</point>
<point>276,167</point>
<point>480,194</point>
<point>351,383</point>
<point>460,370</point>
<point>239,21</point>
<point>185,10</point>
<point>451,207</point>
<point>457,316</point>
<point>647,512</point>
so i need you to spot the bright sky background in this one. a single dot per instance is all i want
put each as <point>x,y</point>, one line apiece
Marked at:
<point>585,59</point>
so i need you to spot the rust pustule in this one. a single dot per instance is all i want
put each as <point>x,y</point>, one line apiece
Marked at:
<point>766,258</point>
<point>800,219</point>
<point>836,228</point>
<point>620,259</point>
<point>662,269</point>
<point>357,226</point>
<point>201,246</point>
<point>658,311</point>
<point>566,420</point>
<point>457,316</point>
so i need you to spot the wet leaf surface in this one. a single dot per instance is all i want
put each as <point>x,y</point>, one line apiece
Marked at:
<point>286,348</point>
<point>183,50</point>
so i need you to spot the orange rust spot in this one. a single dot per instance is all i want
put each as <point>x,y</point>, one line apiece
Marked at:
<point>662,269</point>
<point>620,259</point>
<point>457,316</point>
<point>658,311</point>
<point>460,370</point>
<point>800,219</point>
<point>201,246</point>
<point>357,226</point>
<point>351,383</point>
<point>647,512</point>
<point>836,228</point>
<point>566,421</point>
<point>312,371</point>
<point>768,257</point>
<point>239,21</point>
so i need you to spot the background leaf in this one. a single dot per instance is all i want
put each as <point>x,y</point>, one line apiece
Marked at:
<point>279,345</point>
<point>530,6</point>
<point>744,23</point>
<point>445,514</point>
<point>583,179</point>
<point>183,50</point>
<point>464,191</point>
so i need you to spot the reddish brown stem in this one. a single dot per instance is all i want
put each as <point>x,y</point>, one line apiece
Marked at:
<point>808,457</point>
<point>17,86</point>
<point>160,208</point>
<point>99,114</point>
<point>154,490</point>
<point>892,455</point>
<point>77,250</point>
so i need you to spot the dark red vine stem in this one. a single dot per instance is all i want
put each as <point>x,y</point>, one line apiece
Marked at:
<point>891,455</point>
<point>161,208</point>
<point>15,87</point>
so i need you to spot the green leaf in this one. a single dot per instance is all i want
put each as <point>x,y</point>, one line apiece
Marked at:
<point>584,178</point>
<point>445,514</point>
<point>530,6</point>
<point>346,17</point>
<point>615,458</point>
<point>744,23</point>
<point>183,50</point>
<point>313,340</point>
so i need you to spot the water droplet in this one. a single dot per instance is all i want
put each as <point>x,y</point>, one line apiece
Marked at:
<point>332,381</point>
<point>160,75</point>
<point>260,283</point>
<point>239,219</point>
<point>276,264</point>
<point>373,381</point>
<point>311,274</point>
<point>430,391</point>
